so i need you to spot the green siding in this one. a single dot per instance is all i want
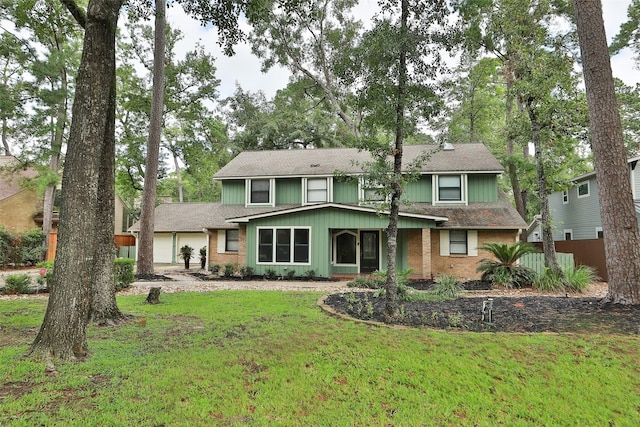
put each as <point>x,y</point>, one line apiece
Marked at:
<point>321,222</point>
<point>233,192</point>
<point>482,188</point>
<point>419,191</point>
<point>345,192</point>
<point>289,191</point>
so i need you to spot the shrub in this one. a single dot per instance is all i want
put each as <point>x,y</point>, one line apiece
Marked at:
<point>269,274</point>
<point>548,281</point>
<point>124,275</point>
<point>215,268</point>
<point>574,280</point>
<point>368,282</point>
<point>7,247</point>
<point>17,283</point>
<point>504,271</point>
<point>229,269</point>
<point>32,246</point>
<point>578,278</point>
<point>45,279</point>
<point>447,287</point>
<point>310,274</point>
<point>402,280</point>
<point>246,271</point>
<point>291,274</point>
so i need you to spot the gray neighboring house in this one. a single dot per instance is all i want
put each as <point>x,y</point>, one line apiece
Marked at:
<point>576,212</point>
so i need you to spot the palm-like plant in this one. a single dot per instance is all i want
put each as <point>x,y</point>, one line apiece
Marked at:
<point>505,270</point>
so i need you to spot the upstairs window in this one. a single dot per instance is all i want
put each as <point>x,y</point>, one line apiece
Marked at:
<point>583,189</point>
<point>565,197</point>
<point>259,192</point>
<point>316,190</point>
<point>450,188</point>
<point>371,192</point>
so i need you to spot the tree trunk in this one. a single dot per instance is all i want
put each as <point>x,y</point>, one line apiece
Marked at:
<point>54,161</point>
<point>511,166</point>
<point>63,331</point>
<point>619,223</point>
<point>147,215</point>
<point>176,164</point>
<point>5,138</point>
<point>103,308</point>
<point>550,256</point>
<point>391,287</point>
<point>154,296</point>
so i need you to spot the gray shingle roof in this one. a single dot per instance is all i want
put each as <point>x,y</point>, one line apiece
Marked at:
<point>187,217</point>
<point>326,161</point>
<point>500,214</point>
<point>195,217</point>
<point>10,179</point>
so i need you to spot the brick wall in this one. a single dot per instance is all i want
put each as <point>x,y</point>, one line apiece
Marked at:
<point>236,258</point>
<point>419,248</point>
<point>463,266</point>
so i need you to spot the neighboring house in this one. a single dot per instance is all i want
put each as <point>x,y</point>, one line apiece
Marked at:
<point>288,210</point>
<point>575,212</point>
<point>19,207</point>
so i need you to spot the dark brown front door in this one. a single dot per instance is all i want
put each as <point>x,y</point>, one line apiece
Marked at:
<point>369,251</point>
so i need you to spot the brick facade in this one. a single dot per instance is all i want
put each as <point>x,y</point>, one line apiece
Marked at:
<point>239,258</point>
<point>463,266</point>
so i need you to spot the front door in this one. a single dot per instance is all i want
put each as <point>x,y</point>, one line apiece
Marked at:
<point>369,251</point>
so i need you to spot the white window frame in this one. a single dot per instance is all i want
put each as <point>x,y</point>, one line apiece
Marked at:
<point>272,188</point>
<point>362,189</point>
<point>305,190</point>
<point>588,189</point>
<point>565,197</point>
<point>274,246</point>
<point>335,248</point>
<point>599,230</point>
<point>568,231</point>
<point>463,189</point>
<point>472,244</point>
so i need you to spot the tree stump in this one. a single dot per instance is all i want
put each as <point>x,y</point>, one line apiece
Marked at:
<point>154,296</point>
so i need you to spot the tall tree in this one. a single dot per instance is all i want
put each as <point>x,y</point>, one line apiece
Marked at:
<point>619,223</point>
<point>310,37</point>
<point>147,215</point>
<point>80,251</point>
<point>397,62</point>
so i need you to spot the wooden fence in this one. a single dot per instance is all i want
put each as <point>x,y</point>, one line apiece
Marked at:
<point>588,252</point>
<point>536,261</point>
<point>120,241</point>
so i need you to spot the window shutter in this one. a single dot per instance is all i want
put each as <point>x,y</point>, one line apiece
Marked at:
<point>222,241</point>
<point>444,242</point>
<point>472,242</point>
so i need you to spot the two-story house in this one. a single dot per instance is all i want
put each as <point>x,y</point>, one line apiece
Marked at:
<point>576,212</point>
<point>308,210</point>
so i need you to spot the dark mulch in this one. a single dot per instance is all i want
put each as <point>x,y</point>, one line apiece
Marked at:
<point>509,314</point>
<point>214,277</point>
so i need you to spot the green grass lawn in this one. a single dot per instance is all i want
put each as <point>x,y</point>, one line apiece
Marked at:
<point>272,358</point>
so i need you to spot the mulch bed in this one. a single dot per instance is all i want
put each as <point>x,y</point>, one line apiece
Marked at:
<point>510,314</point>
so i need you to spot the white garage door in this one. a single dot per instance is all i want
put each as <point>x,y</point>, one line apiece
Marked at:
<point>162,248</point>
<point>195,240</point>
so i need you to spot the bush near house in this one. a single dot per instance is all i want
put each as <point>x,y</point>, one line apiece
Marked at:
<point>23,248</point>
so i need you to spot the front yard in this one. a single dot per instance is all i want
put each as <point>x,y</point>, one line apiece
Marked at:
<point>274,358</point>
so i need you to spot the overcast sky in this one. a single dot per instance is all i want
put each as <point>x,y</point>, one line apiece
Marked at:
<point>244,68</point>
